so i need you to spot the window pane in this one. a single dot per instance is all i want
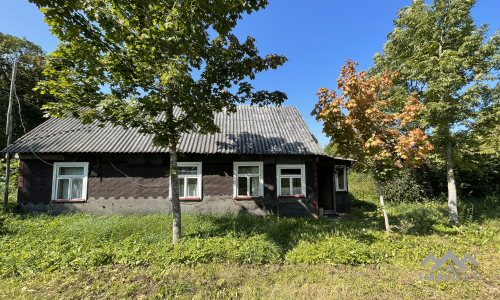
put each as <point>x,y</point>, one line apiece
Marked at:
<point>297,186</point>
<point>187,170</point>
<point>181,187</point>
<point>70,170</point>
<point>192,184</point>
<point>62,189</point>
<point>291,171</point>
<point>285,186</point>
<point>242,186</point>
<point>254,186</point>
<point>248,169</point>
<point>76,188</point>
<point>341,179</point>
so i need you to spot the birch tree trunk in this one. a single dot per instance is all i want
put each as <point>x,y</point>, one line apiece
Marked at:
<point>452,189</point>
<point>386,219</point>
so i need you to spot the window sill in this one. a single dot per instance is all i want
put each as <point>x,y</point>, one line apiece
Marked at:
<point>69,201</point>
<point>188,199</point>
<point>247,198</point>
<point>292,196</point>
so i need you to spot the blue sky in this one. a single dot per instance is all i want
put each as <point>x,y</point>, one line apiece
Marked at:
<point>316,36</point>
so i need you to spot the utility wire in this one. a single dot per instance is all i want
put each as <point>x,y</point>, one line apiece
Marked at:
<point>31,104</point>
<point>131,178</point>
<point>27,102</point>
<point>24,128</point>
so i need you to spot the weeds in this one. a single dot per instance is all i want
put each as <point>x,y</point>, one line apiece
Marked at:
<point>31,243</point>
<point>233,256</point>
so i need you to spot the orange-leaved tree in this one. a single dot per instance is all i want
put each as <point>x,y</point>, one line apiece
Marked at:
<point>383,135</point>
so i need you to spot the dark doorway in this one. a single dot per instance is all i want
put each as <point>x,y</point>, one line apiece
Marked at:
<point>325,188</point>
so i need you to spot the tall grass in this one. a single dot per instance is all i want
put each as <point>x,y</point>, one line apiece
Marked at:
<point>31,243</point>
<point>361,186</point>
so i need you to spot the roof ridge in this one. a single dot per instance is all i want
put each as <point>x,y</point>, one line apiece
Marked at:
<point>260,130</point>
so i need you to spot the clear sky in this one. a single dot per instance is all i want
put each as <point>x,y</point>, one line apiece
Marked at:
<point>317,36</point>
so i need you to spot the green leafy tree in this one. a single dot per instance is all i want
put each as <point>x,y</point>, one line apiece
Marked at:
<point>382,137</point>
<point>31,63</point>
<point>487,129</point>
<point>145,54</point>
<point>448,61</point>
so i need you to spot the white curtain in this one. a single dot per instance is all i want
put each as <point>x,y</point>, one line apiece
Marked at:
<point>70,170</point>
<point>76,188</point>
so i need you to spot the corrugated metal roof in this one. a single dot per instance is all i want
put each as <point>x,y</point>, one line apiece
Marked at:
<point>251,130</point>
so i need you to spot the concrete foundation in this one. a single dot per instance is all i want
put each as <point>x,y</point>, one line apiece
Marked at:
<point>209,204</point>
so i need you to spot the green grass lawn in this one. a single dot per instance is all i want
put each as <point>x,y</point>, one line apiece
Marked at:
<point>240,256</point>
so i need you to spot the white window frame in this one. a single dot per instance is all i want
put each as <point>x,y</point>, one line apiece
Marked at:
<point>198,176</point>
<point>302,180</point>
<point>260,164</point>
<point>55,178</point>
<point>344,170</point>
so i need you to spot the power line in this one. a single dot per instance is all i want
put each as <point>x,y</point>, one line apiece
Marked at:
<point>158,185</point>
<point>24,128</point>
<point>27,102</point>
<point>32,104</point>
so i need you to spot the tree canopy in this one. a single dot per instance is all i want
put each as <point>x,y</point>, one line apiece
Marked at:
<point>449,62</point>
<point>144,52</point>
<point>364,124</point>
<point>132,62</point>
<point>30,68</point>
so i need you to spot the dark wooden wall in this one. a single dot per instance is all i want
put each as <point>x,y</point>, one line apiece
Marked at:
<point>217,177</point>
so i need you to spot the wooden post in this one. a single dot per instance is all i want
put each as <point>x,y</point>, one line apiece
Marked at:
<point>335,171</point>
<point>9,135</point>
<point>315,195</point>
<point>382,204</point>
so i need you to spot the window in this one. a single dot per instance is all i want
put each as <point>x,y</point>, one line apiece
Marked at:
<point>189,176</point>
<point>341,179</point>
<point>248,179</point>
<point>291,180</point>
<point>69,182</point>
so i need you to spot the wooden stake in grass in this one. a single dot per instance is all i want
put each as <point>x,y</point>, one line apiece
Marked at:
<point>383,135</point>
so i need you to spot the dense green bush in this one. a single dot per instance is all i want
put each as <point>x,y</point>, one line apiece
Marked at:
<point>411,185</point>
<point>478,177</point>
<point>14,174</point>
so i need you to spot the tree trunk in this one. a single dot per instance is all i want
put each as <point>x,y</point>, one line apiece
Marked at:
<point>176,205</point>
<point>386,219</point>
<point>174,182</point>
<point>452,189</point>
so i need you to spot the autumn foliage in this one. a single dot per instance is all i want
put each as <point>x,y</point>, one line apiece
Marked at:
<point>367,125</point>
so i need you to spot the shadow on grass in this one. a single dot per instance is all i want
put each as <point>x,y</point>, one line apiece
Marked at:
<point>365,225</point>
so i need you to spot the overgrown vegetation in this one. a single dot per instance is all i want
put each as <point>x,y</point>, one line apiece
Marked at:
<point>35,248</point>
<point>31,58</point>
<point>14,174</point>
